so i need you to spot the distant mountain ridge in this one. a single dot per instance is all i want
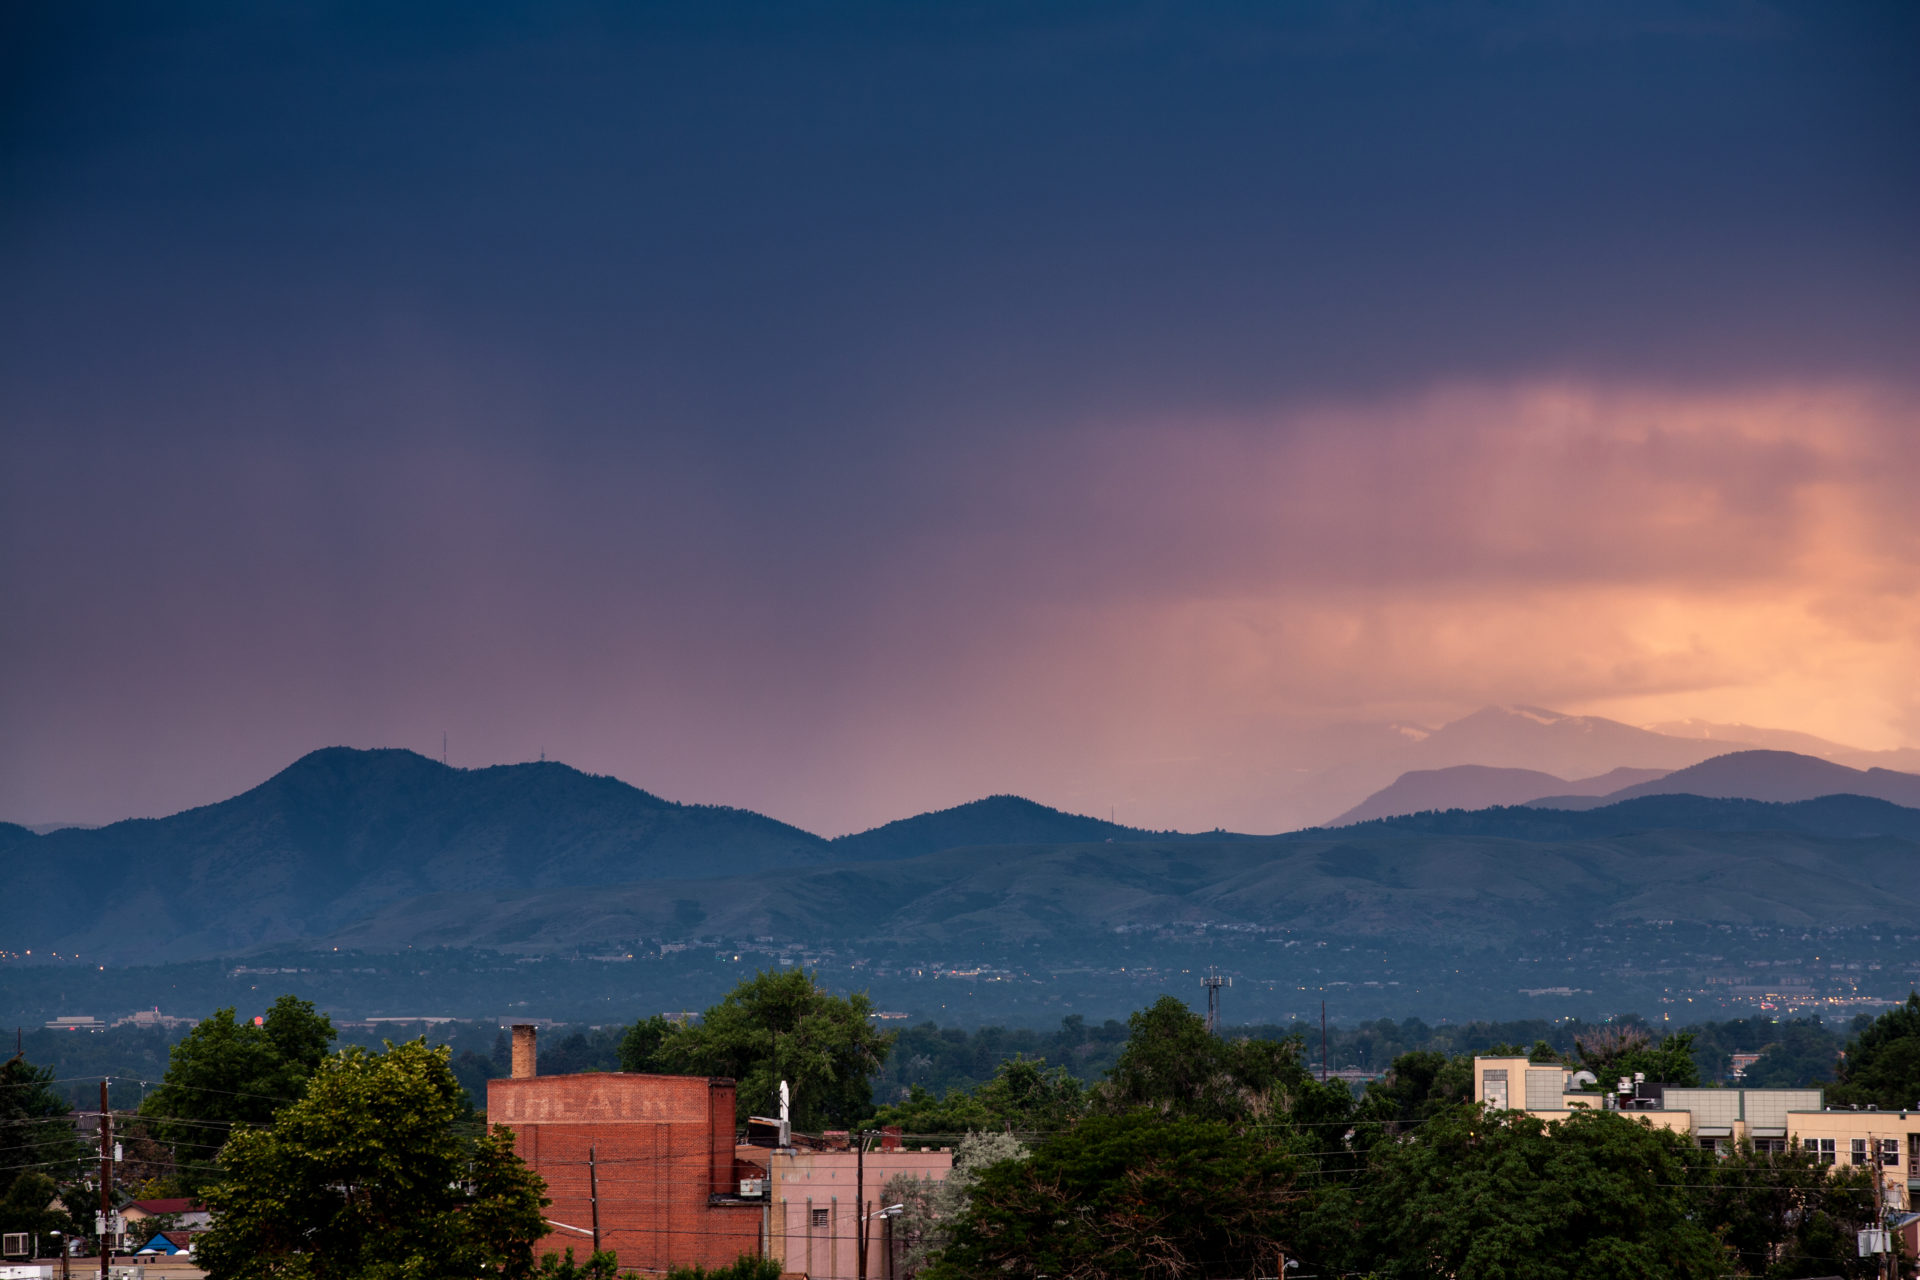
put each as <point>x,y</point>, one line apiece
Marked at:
<point>1557,743</point>
<point>1475,786</point>
<point>1738,736</point>
<point>341,833</point>
<point>358,844</point>
<point>994,820</point>
<point>1768,775</point>
<point>1832,817</point>
<point>1474,879</point>
<point>1760,775</point>
<point>1498,737</point>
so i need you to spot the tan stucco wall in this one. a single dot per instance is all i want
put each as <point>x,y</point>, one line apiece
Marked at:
<point>800,1182</point>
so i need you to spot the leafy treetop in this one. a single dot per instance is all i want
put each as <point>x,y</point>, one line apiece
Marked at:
<point>37,1146</point>
<point>775,1026</point>
<point>367,1177</point>
<point>1882,1063</point>
<point>1613,1052</point>
<point>1173,1065</point>
<point>1134,1194</point>
<point>227,1072</point>
<point>1480,1193</point>
<point>1024,1096</point>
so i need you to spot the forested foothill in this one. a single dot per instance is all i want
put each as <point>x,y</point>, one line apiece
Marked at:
<point>1153,1148</point>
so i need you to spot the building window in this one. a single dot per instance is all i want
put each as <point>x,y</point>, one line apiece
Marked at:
<point>1890,1153</point>
<point>1711,1144</point>
<point>1859,1154</point>
<point>1770,1146</point>
<point>819,1217</point>
<point>1822,1149</point>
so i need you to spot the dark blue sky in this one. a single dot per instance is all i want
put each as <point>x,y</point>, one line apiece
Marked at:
<point>813,407</point>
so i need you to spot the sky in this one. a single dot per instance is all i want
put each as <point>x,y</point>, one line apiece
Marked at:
<point>848,410</point>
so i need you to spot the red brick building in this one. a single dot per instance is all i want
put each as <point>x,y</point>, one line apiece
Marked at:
<point>652,1155</point>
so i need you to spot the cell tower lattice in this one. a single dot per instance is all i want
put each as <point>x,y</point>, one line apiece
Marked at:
<point>1213,982</point>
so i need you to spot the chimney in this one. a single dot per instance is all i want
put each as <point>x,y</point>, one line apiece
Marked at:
<point>525,1055</point>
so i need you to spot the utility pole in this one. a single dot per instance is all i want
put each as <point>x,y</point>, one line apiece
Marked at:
<point>593,1195</point>
<point>860,1200</point>
<point>106,1180</point>
<point>1880,1264</point>
<point>1323,1042</point>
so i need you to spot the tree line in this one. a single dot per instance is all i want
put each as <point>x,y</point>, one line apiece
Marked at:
<point>1190,1154</point>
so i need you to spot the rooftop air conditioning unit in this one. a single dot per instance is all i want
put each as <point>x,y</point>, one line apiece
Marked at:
<point>753,1187</point>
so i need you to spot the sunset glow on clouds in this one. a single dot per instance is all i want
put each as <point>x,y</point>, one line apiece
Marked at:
<point>845,418</point>
<point>1160,617</point>
<point>1194,592</point>
<point>1622,552</point>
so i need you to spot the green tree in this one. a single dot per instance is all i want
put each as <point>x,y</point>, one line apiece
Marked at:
<point>1882,1063</point>
<point>929,1208</point>
<point>1541,1052</point>
<point>227,1072</point>
<point>1615,1051</point>
<point>1419,1085</point>
<point>603,1265</point>
<point>1799,1054</point>
<point>640,1047</point>
<point>1478,1193</point>
<point>1134,1195</point>
<point>1173,1065</point>
<point>745,1267</point>
<point>1024,1096</point>
<point>1784,1214</point>
<point>366,1177</point>
<point>781,1026</point>
<point>38,1148</point>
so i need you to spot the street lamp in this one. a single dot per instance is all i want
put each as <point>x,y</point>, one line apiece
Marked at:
<point>887,1215</point>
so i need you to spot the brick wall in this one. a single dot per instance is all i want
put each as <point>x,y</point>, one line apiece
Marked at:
<point>660,1146</point>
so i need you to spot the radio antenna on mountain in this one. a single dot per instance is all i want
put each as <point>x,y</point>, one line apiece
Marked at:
<point>443,746</point>
<point>1213,982</point>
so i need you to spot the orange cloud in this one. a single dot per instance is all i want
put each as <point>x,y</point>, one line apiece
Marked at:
<point>1197,595</point>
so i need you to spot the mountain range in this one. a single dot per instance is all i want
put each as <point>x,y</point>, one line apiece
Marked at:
<point>341,833</point>
<point>995,820</point>
<point>1335,773</point>
<point>1465,879</point>
<point>1745,775</point>
<point>388,848</point>
<point>1479,786</point>
<point>1759,775</point>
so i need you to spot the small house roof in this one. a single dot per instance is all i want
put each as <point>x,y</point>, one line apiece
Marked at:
<point>172,1204</point>
<point>165,1242</point>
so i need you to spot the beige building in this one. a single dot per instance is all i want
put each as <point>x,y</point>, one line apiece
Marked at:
<point>817,1196</point>
<point>1720,1119</point>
